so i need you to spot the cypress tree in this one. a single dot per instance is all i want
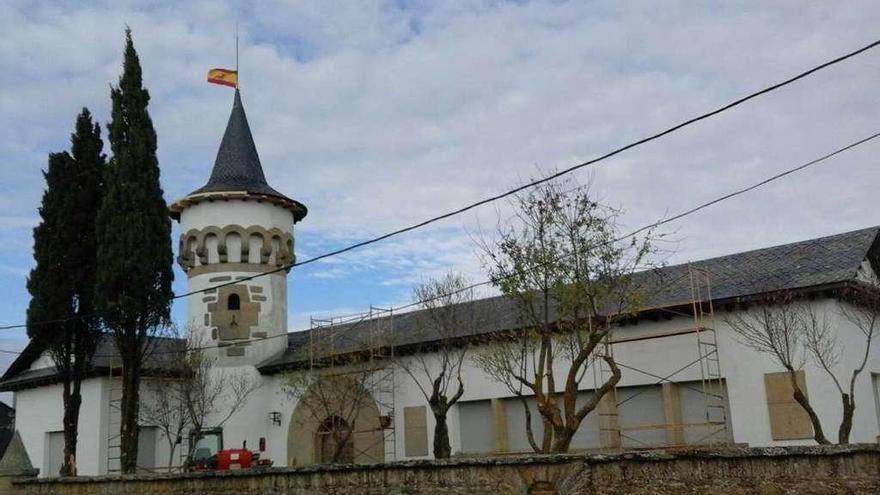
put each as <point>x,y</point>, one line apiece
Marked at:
<point>134,242</point>
<point>62,283</point>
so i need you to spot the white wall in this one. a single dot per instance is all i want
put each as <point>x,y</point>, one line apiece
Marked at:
<point>220,213</point>
<point>40,410</point>
<point>745,369</point>
<point>273,311</point>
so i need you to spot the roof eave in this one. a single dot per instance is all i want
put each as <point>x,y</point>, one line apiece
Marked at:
<point>297,209</point>
<point>273,368</point>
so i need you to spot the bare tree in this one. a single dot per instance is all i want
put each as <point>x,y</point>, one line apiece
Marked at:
<point>192,392</point>
<point>861,306</point>
<point>559,259</point>
<point>439,351</point>
<point>778,327</point>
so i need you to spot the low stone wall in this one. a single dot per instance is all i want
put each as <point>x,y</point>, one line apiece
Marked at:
<point>787,470</point>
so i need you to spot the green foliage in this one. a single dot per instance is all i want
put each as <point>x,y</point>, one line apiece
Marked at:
<point>62,282</point>
<point>134,243</point>
<point>60,314</point>
<point>561,260</point>
<point>134,231</point>
<point>562,249</point>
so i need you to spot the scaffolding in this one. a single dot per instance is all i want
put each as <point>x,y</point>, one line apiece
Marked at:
<point>712,429</point>
<point>361,346</point>
<point>113,444</point>
<point>711,380</point>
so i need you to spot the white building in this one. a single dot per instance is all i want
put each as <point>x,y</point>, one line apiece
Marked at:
<point>236,226</point>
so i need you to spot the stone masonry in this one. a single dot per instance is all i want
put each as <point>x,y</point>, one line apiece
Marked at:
<point>736,471</point>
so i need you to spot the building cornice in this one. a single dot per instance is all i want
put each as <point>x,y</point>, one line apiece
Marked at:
<point>297,209</point>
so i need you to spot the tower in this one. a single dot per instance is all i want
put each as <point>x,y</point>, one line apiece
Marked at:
<point>234,227</point>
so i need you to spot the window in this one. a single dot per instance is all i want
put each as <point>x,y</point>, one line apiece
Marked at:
<point>475,418</point>
<point>147,447</point>
<point>416,431</point>
<point>54,455</point>
<point>233,303</point>
<point>788,420</point>
<point>209,443</point>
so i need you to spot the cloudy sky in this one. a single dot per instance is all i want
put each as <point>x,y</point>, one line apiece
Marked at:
<point>378,114</point>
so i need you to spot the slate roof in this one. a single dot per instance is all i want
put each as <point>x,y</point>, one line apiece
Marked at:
<point>19,376</point>
<point>825,262</point>
<point>237,167</point>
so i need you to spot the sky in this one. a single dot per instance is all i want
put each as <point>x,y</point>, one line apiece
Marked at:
<point>379,114</point>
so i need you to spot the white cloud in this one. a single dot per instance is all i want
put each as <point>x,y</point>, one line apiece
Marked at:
<point>377,116</point>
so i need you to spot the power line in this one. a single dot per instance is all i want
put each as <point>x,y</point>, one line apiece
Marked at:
<point>633,233</point>
<point>556,175</point>
<point>690,211</point>
<point>515,190</point>
<point>610,154</point>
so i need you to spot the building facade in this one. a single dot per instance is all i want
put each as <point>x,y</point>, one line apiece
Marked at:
<point>687,379</point>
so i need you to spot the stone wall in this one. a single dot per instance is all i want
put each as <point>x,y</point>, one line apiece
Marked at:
<point>786,470</point>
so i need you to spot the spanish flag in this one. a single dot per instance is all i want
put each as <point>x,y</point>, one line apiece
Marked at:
<point>225,77</point>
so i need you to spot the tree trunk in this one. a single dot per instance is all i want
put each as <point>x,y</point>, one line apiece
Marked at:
<point>801,399</point>
<point>172,448</point>
<point>442,449</point>
<point>562,439</point>
<point>547,441</point>
<point>72,400</point>
<point>849,408</point>
<point>129,422</point>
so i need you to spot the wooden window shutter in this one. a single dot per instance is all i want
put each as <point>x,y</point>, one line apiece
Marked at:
<point>415,425</point>
<point>788,420</point>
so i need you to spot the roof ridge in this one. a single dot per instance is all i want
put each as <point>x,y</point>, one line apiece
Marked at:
<point>305,331</point>
<point>875,228</point>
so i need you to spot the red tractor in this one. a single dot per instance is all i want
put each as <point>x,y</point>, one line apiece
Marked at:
<point>229,459</point>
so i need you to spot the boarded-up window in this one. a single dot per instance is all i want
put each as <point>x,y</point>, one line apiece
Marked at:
<point>54,452</point>
<point>788,420</point>
<point>475,418</point>
<point>587,436</point>
<point>146,457</point>
<point>695,407</point>
<point>640,414</point>
<point>415,431</point>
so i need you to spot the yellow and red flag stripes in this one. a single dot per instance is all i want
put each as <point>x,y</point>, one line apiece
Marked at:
<point>225,77</point>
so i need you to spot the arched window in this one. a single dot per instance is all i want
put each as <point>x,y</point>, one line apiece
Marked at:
<point>335,442</point>
<point>233,303</point>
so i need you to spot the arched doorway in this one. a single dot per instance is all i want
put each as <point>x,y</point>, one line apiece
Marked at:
<point>334,442</point>
<point>309,436</point>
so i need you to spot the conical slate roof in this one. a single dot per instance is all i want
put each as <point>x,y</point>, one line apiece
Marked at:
<point>237,168</point>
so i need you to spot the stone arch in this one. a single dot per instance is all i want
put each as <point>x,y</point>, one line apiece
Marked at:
<point>211,252</point>
<point>277,245</point>
<point>233,242</point>
<point>187,249</point>
<point>316,406</point>
<point>215,245</point>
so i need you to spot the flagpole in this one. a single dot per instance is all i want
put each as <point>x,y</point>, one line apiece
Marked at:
<point>236,55</point>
